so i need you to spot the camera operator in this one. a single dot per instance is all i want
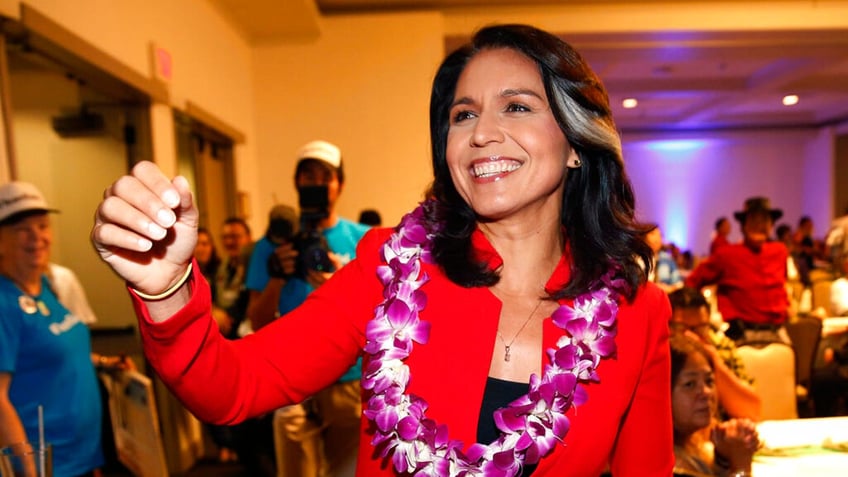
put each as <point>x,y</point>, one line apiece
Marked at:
<point>289,268</point>
<point>277,250</point>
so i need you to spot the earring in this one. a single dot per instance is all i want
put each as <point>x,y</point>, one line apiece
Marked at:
<point>575,163</point>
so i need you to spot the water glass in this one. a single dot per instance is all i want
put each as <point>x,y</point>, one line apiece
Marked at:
<point>26,460</point>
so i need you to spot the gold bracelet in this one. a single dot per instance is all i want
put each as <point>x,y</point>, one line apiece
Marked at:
<point>169,291</point>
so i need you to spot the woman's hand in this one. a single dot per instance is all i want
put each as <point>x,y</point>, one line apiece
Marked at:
<point>146,228</point>
<point>736,440</point>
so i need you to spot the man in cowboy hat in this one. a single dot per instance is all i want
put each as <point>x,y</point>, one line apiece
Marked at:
<point>751,277</point>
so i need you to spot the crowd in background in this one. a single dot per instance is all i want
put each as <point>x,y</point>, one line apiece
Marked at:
<point>756,287</point>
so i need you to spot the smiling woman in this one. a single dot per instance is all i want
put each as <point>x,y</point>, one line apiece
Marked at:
<point>45,350</point>
<point>506,151</point>
<point>528,232</point>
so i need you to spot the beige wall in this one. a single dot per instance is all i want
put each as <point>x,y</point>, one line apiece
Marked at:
<point>212,68</point>
<point>212,63</point>
<point>364,85</point>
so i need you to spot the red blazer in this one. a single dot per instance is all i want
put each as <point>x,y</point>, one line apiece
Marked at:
<point>625,425</point>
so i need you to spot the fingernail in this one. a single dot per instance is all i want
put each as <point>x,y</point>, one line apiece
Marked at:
<point>166,217</point>
<point>171,198</point>
<point>144,244</point>
<point>155,230</point>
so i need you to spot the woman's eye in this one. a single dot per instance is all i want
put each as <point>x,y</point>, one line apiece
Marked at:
<point>517,108</point>
<point>460,116</point>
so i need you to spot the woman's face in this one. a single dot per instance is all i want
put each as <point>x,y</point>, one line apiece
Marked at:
<point>203,249</point>
<point>506,152</point>
<point>693,398</point>
<point>654,239</point>
<point>25,245</point>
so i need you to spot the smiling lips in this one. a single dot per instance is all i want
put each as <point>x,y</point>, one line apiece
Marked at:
<point>493,168</point>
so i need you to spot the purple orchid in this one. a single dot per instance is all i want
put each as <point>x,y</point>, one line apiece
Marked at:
<point>531,426</point>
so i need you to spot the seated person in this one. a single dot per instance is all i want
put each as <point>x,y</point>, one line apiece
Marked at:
<point>839,289</point>
<point>690,314</point>
<point>829,381</point>
<point>702,445</point>
<point>664,272</point>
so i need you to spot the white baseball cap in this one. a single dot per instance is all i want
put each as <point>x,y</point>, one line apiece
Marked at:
<point>18,197</point>
<point>322,151</point>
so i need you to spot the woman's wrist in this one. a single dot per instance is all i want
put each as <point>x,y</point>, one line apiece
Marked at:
<point>170,291</point>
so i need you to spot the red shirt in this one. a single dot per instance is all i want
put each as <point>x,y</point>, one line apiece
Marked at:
<point>625,424</point>
<point>751,285</point>
<point>718,242</point>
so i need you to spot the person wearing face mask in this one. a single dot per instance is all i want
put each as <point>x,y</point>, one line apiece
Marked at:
<point>45,347</point>
<point>751,278</point>
<point>287,265</point>
<point>505,325</point>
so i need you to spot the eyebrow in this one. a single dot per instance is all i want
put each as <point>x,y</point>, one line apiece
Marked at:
<point>507,93</point>
<point>519,92</point>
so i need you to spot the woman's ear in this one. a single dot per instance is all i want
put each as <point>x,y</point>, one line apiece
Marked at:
<point>574,161</point>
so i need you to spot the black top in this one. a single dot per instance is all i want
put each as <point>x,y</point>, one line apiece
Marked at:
<point>498,394</point>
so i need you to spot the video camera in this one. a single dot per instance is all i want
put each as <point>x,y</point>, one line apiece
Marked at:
<point>309,241</point>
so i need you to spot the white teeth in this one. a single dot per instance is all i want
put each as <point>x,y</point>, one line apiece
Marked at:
<point>486,169</point>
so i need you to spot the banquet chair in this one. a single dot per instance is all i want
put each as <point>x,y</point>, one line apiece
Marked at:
<point>805,333</point>
<point>821,295</point>
<point>772,365</point>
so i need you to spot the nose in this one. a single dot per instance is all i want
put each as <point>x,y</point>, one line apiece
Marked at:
<point>487,129</point>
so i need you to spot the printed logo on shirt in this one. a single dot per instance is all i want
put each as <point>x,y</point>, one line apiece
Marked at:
<point>66,324</point>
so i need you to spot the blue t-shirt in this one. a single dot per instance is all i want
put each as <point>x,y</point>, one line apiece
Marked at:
<point>47,350</point>
<point>341,238</point>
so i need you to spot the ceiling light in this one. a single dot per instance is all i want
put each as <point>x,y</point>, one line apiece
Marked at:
<point>790,100</point>
<point>629,103</point>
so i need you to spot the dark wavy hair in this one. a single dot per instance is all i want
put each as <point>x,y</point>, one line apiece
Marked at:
<point>682,347</point>
<point>687,298</point>
<point>598,201</point>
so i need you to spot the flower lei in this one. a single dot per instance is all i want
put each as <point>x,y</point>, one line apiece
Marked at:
<point>530,426</point>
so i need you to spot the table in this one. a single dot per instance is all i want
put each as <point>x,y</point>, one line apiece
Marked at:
<point>834,325</point>
<point>802,447</point>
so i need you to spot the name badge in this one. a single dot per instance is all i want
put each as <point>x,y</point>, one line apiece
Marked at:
<point>27,304</point>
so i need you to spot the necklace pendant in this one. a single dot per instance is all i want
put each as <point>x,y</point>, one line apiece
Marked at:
<point>506,353</point>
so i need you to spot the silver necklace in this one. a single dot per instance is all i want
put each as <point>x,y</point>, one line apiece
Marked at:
<point>507,346</point>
